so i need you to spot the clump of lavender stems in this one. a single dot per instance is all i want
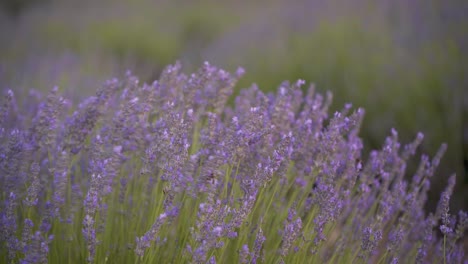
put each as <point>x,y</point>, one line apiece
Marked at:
<point>170,173</point>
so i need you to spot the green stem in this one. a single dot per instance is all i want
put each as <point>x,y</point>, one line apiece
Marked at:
<point>445,257</point>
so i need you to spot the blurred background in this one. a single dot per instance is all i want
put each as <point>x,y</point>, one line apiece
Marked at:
<point>404,61</point>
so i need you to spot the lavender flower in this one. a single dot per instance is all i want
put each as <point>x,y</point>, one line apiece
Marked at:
<point>258,245</point>
<point>443,207</point>
<point>37,250</point>
<point>45,124</point>
<point>8,226</point>
<point>292,230</point>
<point>244,254</point>
<point>145,241</point>
<point>370,240</point>
<point>34,188</point>
<point>5,108</point>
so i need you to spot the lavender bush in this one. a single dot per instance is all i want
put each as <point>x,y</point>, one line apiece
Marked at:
<point>168,173</point>
<point>390,57</point>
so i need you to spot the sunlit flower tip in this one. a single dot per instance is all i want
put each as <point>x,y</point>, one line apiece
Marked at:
<point>254,109</point>
<point>88,219</point>
<point>162,216</point>
<point>232,234</point>
<point>282,91</point>
<point>134,100</point>
<point>190,112</point>
<point>245,248</point>
<point>118,149</point>
<point>445,229</point>
<point>301,182</point>
<point>240,72</point>
<point>217,231</point>
<point>223,74</point>
<point>420,136</point>
<point>300,82</point>
<point>212,260</point>
<point>359,165</point>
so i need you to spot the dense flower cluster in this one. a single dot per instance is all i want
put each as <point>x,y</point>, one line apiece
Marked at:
<point>170,173</point>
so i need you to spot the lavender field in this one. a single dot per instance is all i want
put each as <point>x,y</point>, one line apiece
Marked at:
<point>129,133</point>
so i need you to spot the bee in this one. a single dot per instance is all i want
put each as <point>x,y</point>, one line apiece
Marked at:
<point>358,165</point>
<point>211,179</point>
<point>208,178</point>
<point>247,185</point>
